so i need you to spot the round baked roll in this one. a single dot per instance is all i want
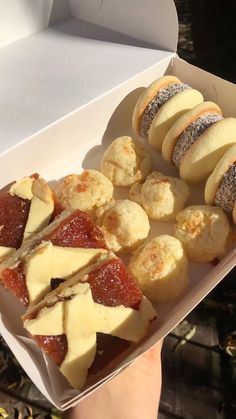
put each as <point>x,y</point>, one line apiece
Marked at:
<point>161,268</point>
<point>126,161</point>
<point>124,225</point>
<point>86,191</point>
<point>220,189</point>
<point>161,196</point>
<point>165,100</point>
<point>197,141</point>
<point>204,231</point>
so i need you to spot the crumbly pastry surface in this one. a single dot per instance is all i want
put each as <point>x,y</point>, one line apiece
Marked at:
<point>204,231</point>
<point>161,196</point>
<point>124,224</point>
<point>86,191</point>
<point>161,268</point>
<point>126,161</point>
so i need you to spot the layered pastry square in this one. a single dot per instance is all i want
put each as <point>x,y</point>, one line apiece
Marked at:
<point>95,311</point>
<point>68,244</point>
<point>26,206</point>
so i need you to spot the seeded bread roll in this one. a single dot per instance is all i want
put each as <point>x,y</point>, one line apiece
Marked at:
<point>204,231</point>
<point>220,189</point>
<point>197,140</point>
<point>160,105</point>
<point>161,268</point>
<point>125,225</point>
<point>161,196</point>
<point>87,191</point>
<point>126,161</point>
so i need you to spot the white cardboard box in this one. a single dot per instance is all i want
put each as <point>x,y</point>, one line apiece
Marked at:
<point>67,90</point>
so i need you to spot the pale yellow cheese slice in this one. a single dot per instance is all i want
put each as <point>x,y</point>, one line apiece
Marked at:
<point>23,188</point>
<point>41,207</point>
<point>39,215</point>
<point>48,261</point>
<point>81,336</point>
<point>5,251</point>
<point>124,322</point>
<point>49,321</point>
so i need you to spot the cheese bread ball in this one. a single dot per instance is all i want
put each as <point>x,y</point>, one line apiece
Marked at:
<point>125,162</point>
<point>161,196</point>
<point>204,231</point>
<point>87,191</point>
<point>124,224</point>
<point>161,268</point>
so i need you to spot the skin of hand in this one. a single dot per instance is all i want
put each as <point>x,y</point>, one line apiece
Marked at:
<point>132,394</point>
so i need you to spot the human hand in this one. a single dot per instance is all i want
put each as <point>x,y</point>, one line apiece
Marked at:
<point>133,394</point>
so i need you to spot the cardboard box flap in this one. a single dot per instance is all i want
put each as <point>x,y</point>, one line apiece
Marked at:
<point>152,21</point>
<point>21,18</point>
<point>94,47</point>
<point>56,71</point>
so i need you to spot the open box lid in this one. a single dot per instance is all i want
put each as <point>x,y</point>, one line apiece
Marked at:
<point>82,49</point>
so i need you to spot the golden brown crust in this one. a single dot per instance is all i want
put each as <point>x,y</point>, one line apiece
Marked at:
<point>146,97</point>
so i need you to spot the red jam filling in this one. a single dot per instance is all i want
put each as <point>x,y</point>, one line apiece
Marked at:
<point>111,285</point>
<point>34,176</point>
<point>14,280</point>
<point>108,348</point>
<point>77,230</point>
<point>14,213</point>
<point>55,346</point>
<point>58,208</point>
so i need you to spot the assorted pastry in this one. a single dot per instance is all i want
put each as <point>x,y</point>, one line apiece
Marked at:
<point>220,187</point>
<point>204,231</point>
<point>161,268</point>
<point>126,161</point>
<point>68,244</point>
<point>197,140</point>
<point>160,105</point>
<point>26,206</point>
<point>103,299</point>
<point>161,196</point>
<point>124,224</point>
<point>86,191</point>
<point>84,306</point>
